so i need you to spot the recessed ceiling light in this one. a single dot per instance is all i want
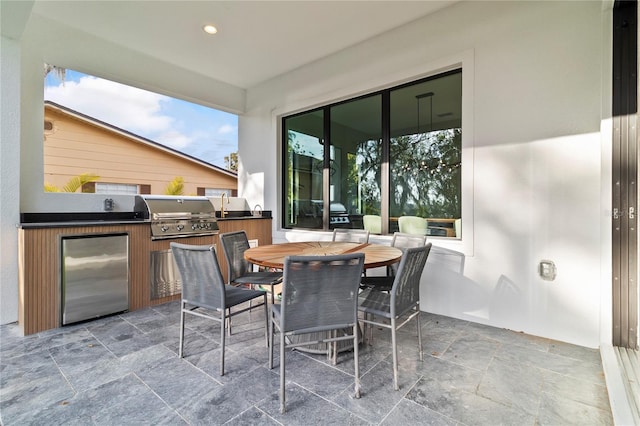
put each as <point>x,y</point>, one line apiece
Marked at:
<point>210,29</point>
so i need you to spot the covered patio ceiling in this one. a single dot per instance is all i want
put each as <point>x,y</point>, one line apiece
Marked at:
<point>256,40</point>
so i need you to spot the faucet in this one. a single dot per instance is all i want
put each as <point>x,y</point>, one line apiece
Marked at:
<point>255,210</point>
<point>222,212</point>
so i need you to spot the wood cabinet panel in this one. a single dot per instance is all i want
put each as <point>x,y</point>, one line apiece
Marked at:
<point>39,277</point>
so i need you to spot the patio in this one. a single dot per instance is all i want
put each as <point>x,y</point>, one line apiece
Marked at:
<point>124,369</point>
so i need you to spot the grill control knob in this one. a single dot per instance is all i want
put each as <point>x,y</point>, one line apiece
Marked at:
<point>164,228</point>
<point>179,227</point>
<point>194,226</point>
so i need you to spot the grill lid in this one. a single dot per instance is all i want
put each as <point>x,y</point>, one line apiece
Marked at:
<point>166,205</point>
<point>176,216</point>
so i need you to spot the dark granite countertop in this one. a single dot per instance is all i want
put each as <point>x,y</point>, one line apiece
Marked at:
<point>50,220</point>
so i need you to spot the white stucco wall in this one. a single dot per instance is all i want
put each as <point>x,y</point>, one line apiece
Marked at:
<point>533,148</point>
<point>9,178</point>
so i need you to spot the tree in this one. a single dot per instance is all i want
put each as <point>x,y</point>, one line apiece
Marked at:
<point>424,177</point>
<point>73,184</point>
<point>175,187</point>
<point>60,72</point>
<point>231,161</point>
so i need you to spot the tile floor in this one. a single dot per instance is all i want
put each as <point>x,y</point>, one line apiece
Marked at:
<point>124,370</point>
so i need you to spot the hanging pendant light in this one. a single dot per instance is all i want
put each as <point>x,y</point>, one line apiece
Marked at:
<point>418,98</point>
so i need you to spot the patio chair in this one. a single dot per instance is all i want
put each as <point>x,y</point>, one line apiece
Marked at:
<point>351,235</point>
<point>403,242</point>
<point>412,225</point>
<point>401,304</point>
<point>239,271</point>
<point>372,223</point>
<point>204,287</point>
<point>319,296</point>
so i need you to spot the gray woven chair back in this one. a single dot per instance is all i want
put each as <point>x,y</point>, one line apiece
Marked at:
<point>234,245</point>
<point>320,292</point>
<point>351,235</point>
<point>202,282</point>
<point>405,292</point>
<point>403,242</point>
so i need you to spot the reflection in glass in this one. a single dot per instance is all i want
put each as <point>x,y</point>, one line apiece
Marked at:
<point>303,170</point>
<point>425,154</point>
<point>354,173</point>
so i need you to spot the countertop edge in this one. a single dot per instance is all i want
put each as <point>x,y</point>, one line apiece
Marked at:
<point>79,223</point>
<point>221,219</point>
<point>33,225</point>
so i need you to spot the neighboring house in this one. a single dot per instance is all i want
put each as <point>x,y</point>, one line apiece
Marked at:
<point>75,143</point>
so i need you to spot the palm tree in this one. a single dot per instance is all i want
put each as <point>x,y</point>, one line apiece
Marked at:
<point>175,187</point>
<point>60,72</point>
<point>73,184</point>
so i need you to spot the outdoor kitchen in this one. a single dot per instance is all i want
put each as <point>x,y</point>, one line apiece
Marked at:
<point>143,234</point>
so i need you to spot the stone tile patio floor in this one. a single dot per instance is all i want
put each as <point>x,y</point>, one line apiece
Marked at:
<point>124,369</point>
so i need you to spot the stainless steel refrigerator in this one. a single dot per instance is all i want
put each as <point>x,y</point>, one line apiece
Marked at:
<point>94,275</point>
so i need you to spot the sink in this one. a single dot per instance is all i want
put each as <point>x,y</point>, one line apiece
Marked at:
<point>234,214</point>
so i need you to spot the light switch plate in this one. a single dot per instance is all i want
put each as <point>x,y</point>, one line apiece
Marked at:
<point>547,270</point>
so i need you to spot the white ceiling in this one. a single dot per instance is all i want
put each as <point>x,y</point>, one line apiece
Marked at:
<point>256,40</point>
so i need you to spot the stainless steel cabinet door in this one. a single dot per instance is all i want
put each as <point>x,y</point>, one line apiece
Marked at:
<point>94,276</point>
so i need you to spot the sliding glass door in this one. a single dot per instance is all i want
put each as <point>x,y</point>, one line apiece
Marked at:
<point>425,157</point>
<point>354,161</point>
<point>303,170</point>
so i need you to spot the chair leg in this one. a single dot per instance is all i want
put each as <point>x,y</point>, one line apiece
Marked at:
<point>394,346</point>
<point>333,348</point>
<point>181,345</point>
<point>419,335</point>
<point>271,336</point>
<point>266,321</point>
<point>364,329</point>
<point>222,342</point>
<point>356,359</point>
<point>282,378</point>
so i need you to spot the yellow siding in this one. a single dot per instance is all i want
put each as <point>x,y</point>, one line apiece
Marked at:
<point>75,146</point>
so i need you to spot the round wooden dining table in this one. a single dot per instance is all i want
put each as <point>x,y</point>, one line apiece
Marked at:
<point>272,256</point>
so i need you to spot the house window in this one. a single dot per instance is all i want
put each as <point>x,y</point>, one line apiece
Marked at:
<point>215,192</point>
<point>115,188</point>
<point>390,155</point>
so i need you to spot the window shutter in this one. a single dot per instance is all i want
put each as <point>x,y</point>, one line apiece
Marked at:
<point>89,188</point>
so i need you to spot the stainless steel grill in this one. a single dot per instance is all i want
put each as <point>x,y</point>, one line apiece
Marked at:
<point>338,216</point>
<point>176,216</point>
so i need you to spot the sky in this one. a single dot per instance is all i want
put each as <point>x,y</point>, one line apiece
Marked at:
<point>199,131</point>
